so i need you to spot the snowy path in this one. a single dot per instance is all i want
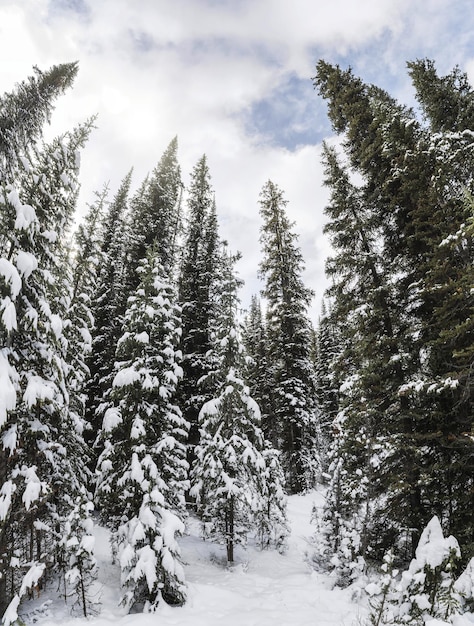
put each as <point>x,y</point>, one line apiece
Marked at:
<point>266,588</point>
<point>262,589</point>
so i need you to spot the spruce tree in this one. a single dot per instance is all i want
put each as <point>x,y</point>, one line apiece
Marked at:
<point>142,470</point>
<point>327,385</point>
<point>85,260</point>
<point>25,111</point>
<point>197,279</point>
<point>236,477</point>
<point>295,421</point>
<point>42,459</point>
<point>254,336</point>
<point>393,273</point>
<point>155,214</point>
<point>108,302</point>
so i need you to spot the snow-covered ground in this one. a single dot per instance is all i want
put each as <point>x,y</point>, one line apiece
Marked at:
<point>263,588</point>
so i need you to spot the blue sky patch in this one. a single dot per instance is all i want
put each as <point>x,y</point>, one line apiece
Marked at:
<point>290,116</point>
<point>70,6</point>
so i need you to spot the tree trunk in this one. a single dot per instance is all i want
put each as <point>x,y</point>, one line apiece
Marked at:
<point>230,530</point>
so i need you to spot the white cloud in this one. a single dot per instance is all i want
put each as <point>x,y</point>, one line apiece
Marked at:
<point>196,68</point>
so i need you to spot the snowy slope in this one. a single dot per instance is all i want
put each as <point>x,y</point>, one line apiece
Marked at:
<point>263,588</point>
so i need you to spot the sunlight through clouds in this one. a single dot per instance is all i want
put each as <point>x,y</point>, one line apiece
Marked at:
<point>231,79</point>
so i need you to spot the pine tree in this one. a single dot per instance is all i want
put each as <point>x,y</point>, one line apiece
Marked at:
<point>155,214</point>
<point>24,112</point>
<point>295,420</point>
<point>41,463</point>
<point>327,384</point>
<point>197,279</point>
<point>236,478</point>
<point>269,507</point>
<point>391,273</point>
<point>427,588</point>
<point>108,302</point>
<point>254,336</point>
<point>142,470</point>
<point>84,259</point>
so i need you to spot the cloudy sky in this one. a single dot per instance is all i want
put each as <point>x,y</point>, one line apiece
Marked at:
<point>230,78</point>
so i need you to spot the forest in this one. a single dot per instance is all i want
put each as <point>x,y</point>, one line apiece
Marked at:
<point>135,391</point>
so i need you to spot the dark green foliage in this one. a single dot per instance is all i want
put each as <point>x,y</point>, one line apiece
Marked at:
<point>236,477</point>
<point>79,325</point>
<point>257,373</point>
<point>25,111</point>
<point>108,303</point>
<point>295,420</point>
<point>327,382</point>
<point>155,215</point>
<point>400,272</point>
<point>197,282</point>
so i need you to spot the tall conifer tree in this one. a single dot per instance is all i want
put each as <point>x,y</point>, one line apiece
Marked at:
<point>254,336</point>
<point>155,214</point>
<point>236,477</point>
<point>41,462</point>
<point>392,269</point>
<point>197,280</point>
<point>142,470</point>
<point>294,423</point>
<point>108,304</point>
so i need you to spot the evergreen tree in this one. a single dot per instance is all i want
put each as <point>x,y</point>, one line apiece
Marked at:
<point>142,470</point>
<point>197,280</point>
<point>393,278</point>
<point>269,507</point>
<point>295,420</point>
<point>41,461</point>
<point>108,302</point>
<point>254,336</point>
<point>428,586</point>
<point>24,112</point>
<point>236,478</point>
<point>85,260</point>
<point>327,385</point>
<point>155,215</point>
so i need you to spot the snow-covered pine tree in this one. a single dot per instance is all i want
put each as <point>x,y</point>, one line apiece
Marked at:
<point>295,422</point>
<point>108,302</point>
<point>197,280</point>
<point>254,337</point>
<point>464,586</point>
<point>398,292</point>
<point>236,477</point>
<point>85,260</point>
<point>41,461</point>
<point>427,588</point>
<point>269,508</point>
<point>327,384</point>
<point>130,228</point>
<point>25,111</point>
<point>155,214</point>
<point>76,546</point>
<point>142,470</point>
<point>369,322</point>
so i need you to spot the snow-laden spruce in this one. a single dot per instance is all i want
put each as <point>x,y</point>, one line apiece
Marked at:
<point>43,454</point>
<point>142,470</point>
<point>85,261</point>
<point>294,424</point>
<point>428,592</point>
<point>236,478</point>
